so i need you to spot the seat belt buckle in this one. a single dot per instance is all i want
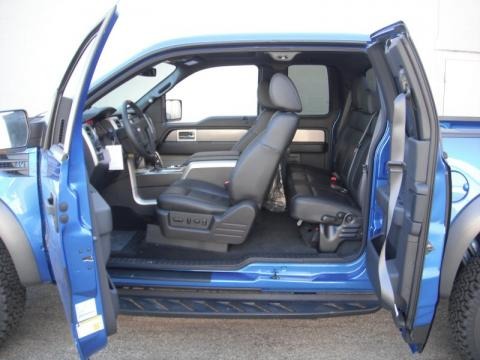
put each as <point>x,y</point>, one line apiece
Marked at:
<point>338,188</point>
<point>334,178</point>
<point>396,166</point>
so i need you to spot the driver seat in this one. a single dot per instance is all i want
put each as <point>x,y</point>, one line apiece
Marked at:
<point>197,214</point>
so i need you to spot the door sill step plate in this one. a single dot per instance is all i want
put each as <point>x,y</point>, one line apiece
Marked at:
<point>165,302</point>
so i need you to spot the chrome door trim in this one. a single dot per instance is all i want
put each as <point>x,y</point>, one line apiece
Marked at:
<point>208,135</point>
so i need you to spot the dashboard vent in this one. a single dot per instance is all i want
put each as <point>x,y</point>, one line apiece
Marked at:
<point>93,138</point>
<point>88,129</point>
<point>118,123</point>
<point>89,132</point>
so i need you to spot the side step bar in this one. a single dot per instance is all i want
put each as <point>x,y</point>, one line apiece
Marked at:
<point>210,303</point>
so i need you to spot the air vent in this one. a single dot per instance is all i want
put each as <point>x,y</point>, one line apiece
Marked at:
<point>93,138</point>
<point>118,123</point>
<point>89,132</point>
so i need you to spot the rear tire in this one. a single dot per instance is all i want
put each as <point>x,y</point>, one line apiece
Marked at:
<point>12,295</point>
<point>464,310</point>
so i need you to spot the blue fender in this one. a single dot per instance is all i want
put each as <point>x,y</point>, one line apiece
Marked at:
<point>17,244</point>
<point>463,230</point>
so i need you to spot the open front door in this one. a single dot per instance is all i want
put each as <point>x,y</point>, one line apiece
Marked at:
<point>73,228</point>
<point>410,193</point>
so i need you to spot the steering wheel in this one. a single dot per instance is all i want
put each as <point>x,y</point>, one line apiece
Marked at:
<point>139,129</point>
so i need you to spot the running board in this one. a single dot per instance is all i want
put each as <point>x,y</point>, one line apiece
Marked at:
<point>209,303</point>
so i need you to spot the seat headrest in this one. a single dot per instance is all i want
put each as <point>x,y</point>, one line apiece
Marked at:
<point>284,94</point>
<point>264,96</point>
<point>364,93</point>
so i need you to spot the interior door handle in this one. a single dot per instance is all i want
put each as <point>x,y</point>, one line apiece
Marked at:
<point>186,135</point>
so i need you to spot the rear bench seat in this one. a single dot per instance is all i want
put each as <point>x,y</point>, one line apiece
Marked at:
<point>336,205</point>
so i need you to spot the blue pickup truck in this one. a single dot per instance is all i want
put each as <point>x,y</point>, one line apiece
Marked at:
<point>279,175</point>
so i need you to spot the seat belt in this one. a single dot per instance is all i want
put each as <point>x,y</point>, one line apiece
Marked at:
<point>346,109</point>
<point>396,167</point>
<point>340,122</point>
<point>360,143</point>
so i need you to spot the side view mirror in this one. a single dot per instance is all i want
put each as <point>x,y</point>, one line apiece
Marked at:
<point>173,109</point>
<point>13,129</point>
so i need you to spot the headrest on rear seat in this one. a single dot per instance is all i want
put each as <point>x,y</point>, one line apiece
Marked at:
<point>364,93</point>
<point>263,95</point>
<point>284,94</point>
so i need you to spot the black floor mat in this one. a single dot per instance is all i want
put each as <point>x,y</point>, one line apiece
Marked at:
<point>126,242</point>
<point>274,235</point>
<point>120,240</point>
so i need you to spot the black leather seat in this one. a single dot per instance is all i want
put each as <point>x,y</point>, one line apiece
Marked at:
<point>195,196</point>
<point>314,198</point>
<point>201,215</point>
<point>261,122</point>
<point>267,111</point>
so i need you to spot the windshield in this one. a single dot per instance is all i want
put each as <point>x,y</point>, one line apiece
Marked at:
<point>136,87</point>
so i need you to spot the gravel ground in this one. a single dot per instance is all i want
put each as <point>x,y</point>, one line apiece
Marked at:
<point>44,334</point>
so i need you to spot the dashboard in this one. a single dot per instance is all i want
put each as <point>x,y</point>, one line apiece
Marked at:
<point>105,126</point>
<point>101,127</point>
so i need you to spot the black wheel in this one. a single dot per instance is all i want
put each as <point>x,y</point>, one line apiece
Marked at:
<point>464,310</point>
<point>12,295</point>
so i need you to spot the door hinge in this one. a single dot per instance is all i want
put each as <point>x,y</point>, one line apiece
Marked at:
<point>404,84</point>
<point>58,153</point>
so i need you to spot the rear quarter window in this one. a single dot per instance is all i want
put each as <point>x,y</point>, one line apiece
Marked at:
<point>313,87</point>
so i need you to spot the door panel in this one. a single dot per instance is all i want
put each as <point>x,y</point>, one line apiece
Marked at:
<point>178,141</point>
<point>75,229</point>
<point>310,145</point>
<point>317,87</point>
<point>404,258</point>
<point>306,136</point>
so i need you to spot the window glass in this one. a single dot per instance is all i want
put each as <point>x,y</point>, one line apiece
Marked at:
<point>217,91</point>
<point>312,85</point>
<point>136,87</point>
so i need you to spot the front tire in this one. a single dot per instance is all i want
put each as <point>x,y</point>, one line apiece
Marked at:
<point>12,295</point>
<point>464,310</point>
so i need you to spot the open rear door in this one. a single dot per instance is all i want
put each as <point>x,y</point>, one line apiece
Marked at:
<point>411,189</point>
<point>76,221</point>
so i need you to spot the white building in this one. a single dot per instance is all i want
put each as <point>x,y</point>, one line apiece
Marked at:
<point>38,38</point>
